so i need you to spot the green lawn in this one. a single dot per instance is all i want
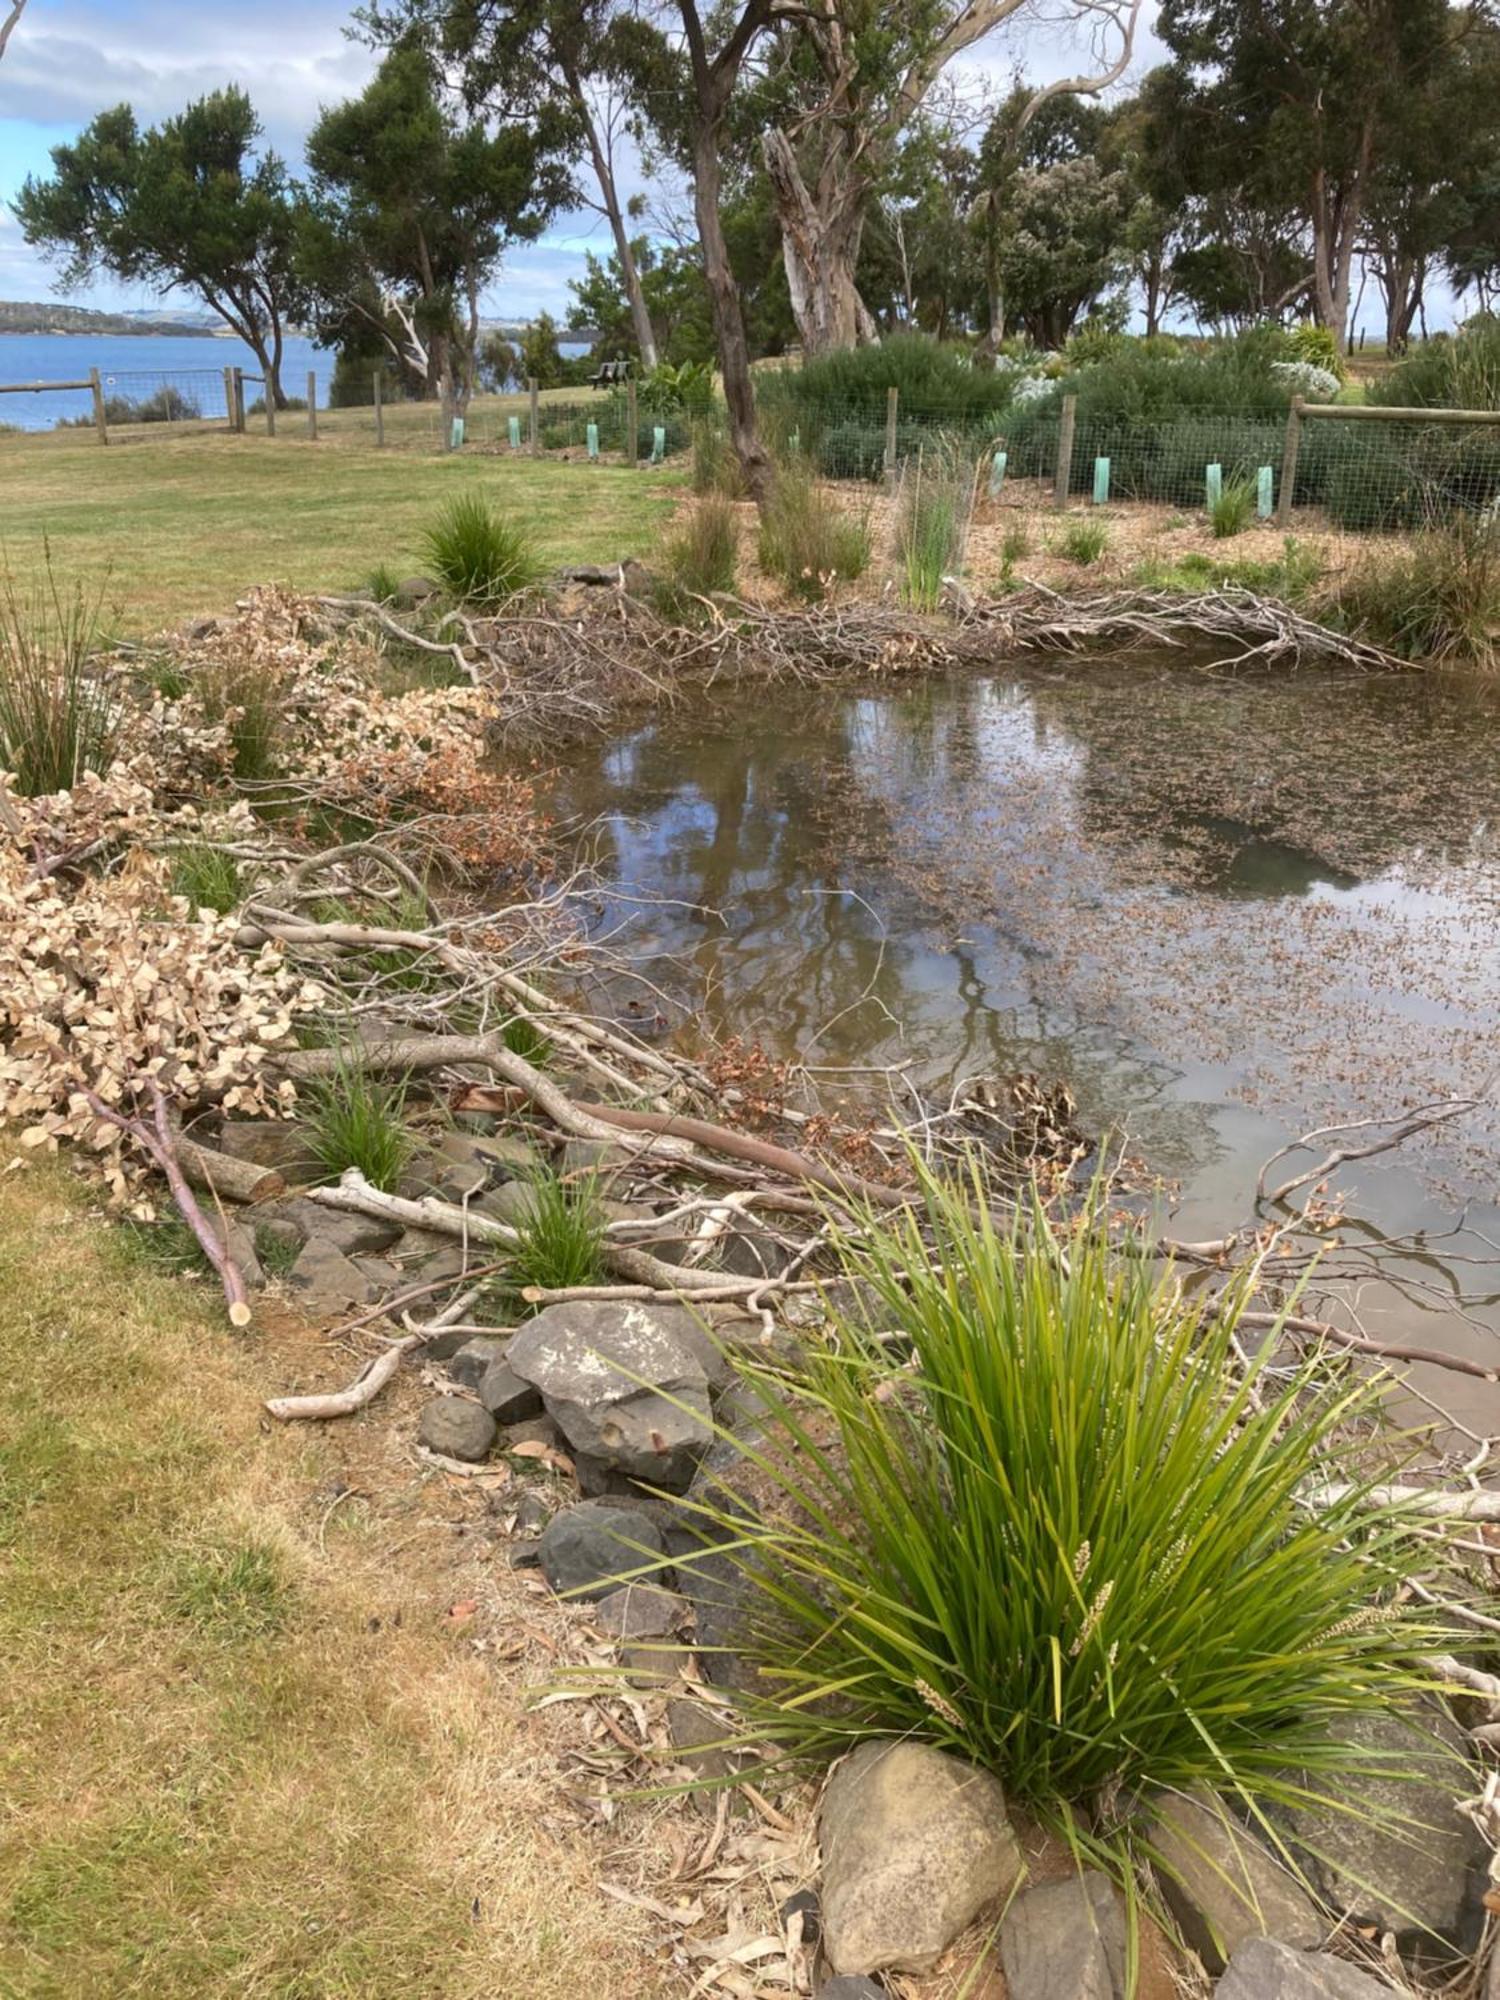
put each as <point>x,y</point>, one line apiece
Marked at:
<point>184,524</point>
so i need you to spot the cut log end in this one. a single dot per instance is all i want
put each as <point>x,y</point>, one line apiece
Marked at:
<point>239,1313</point>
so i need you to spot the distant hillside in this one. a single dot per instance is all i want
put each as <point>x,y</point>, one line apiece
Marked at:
<point>49,317</point>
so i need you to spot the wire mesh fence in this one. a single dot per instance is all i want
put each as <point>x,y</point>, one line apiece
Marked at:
<point>144,402</point>
<point>1358,470</point>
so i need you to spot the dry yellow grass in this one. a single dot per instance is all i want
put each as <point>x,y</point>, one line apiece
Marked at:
<point>242,1750</point>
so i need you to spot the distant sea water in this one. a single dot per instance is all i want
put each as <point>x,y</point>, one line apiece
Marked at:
<point>137,365</point>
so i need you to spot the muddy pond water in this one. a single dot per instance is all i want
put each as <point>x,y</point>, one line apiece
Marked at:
<point>1223,908</point>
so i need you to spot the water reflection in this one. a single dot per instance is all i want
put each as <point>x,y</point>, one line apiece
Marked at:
<point>1223,910</point>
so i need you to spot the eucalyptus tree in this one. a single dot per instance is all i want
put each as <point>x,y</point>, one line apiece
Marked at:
<point>845,80</point>
<point>586,65</point>
<point>1305,106</point>
<point>187,205</point>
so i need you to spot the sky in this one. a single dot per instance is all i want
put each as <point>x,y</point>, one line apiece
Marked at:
<point>69,59</point>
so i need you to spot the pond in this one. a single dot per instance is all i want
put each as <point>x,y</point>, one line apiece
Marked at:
<point>1224,909</point>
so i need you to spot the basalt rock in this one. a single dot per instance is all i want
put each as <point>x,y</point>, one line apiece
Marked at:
<point>916,1845</point>
<point>623,1384</point>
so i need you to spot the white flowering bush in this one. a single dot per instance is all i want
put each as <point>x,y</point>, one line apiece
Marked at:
<point>1306,378</point>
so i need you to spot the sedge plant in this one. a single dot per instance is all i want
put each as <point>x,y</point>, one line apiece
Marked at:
<point>560,1233</point>
<point>806,541</point>
<point>1036,1510</point>
<point>356,1119</point>
<point>1233,508</point>
<point>480,557</point>
<point>932,522</point>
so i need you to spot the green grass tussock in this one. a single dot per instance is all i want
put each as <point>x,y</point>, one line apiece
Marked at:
<point>208,877</point>
<point>702,558</point>
<point>1045,1520</point>
<point>806,541</point>
<point>480,557</point>
<point>355,1119</point>
<point>1233,509</point>
<point>561,1235</point>
<point>1437,599</point>
<point>1083,542</point>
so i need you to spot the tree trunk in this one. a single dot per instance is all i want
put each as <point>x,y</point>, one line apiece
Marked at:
<point>820,238</point>
<point>1402,279</point>
<point>729,321</point>
<point>604,173</point>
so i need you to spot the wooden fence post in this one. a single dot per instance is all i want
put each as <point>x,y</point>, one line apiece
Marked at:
<point>1291,451</point>
<point>270,402</point>
<point>632,423</point>
<point>379,413</point>
<point>229,397</point>
<point>239,399</point>
<point>312,403</point>
<point>892,406</point>
<point>98,388</point>
<point>1063,484</point>
<point>534,392</point>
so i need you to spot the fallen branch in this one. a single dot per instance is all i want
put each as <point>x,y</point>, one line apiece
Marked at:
<point>365,1387</point>
<point>354,1193</point>
<point>1361,1343</point>
<point>235,1180</point>
<point>1407,1127</point>
<point>159,1141</point>
<point>1427,1500</point>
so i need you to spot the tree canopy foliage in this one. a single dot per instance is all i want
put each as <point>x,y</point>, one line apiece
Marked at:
<point>189,204</point>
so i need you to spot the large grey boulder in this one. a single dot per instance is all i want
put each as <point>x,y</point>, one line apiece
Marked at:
<point>643,1611</point>
<point>1266,1969</point>
<point>298,1220</point>
<point>1065,1941</point>
<point>1223,1885</point>
<point>280,1145</point>
<point>593,1548</point>
<point>1396,1853</point>
<point>624,1386</point>
<point>508,1399</point>
<point>916,1844</point>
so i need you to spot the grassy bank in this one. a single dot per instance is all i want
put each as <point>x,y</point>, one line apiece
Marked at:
<point>243,1747</point>
<point>180,525</point>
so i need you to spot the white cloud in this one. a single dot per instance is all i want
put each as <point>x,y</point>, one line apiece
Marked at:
<point>70,59</point>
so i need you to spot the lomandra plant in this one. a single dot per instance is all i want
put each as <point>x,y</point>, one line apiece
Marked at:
<point>1037,1511</point>
<point>480,557</point>
<point>56,716</point>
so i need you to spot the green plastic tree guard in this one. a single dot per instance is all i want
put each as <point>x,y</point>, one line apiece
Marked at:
<point>591,438</point>
<point>997,473</point>
<point>658,443</point>
<point>456,436</point>
<point>1265,492</point>
<point>1101,481</point>
<point>1215,484</point>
